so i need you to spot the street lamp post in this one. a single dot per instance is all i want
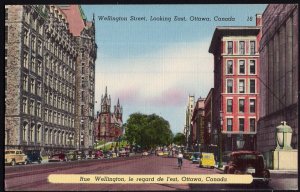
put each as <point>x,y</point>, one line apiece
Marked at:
<point>220,140</point>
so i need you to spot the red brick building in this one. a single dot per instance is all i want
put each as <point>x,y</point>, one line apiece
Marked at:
<point>236,84</point>
<point>108,125</point>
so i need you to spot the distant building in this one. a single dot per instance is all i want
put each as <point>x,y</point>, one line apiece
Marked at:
<point>197,132</point>
<point>188,117</point>
<point>279,76</point>
<point>210,133</point>
<point>236,84</point>
<point>108,125</point>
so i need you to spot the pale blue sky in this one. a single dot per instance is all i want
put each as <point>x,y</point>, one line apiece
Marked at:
<point>152,66</point>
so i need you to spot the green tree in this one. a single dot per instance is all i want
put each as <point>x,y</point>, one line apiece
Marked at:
<point>179,139</point>
<point>148,131</point>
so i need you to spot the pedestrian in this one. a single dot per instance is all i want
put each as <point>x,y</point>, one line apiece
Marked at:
<point>179,158</point>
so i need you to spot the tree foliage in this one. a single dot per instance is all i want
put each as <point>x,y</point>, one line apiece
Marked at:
<point>179,139</point>
<point>148,131</point>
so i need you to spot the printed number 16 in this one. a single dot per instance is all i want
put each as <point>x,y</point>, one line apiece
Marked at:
<point>249,18</point>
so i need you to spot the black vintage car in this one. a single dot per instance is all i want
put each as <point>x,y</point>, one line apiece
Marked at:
<point>33,156</point>
<point>248,162</point>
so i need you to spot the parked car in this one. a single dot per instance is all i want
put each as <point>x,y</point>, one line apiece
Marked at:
<point>207,160</point>
<point>196,157</point>
<point>187,155</point>
<point>33,156</point>
<point>81,155</point>
<point>98,155</point>
<point>145,153</point>
<point>71,155</point>
<point>248,162</point>
<point>123,153</point>
<point>57,157</point>
<point>159,153</point>
<point>15,156</point>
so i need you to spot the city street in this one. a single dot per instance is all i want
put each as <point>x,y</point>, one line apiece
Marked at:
<point>34,177</point>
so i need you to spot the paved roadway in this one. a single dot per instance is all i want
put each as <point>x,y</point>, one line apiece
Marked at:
<point>34,177</point>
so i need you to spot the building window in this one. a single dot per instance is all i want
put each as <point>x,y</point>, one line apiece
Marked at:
<point>229,124</point>
<point>25,82</point>
<point>31,133</point>
<point>38,109</point>
<point>39,47</point>
<point>24,131</point>
<point>39,88</point>
<point>25,60</point>
<point>82,95</point>
<point>242,67</point>
<point>50,116</point>
<point>46,136</point>
<point>241,105</point>
<point>25,37</point>
<point>242,47</point>
<point>33,41</point>
<point>24,105</point>
<point>229,105</point>
<point>252,124</point>
<point>81,109</point>
<point>241,124</point>
<point>252,106</point>
<point>32,66</point>
<point>46,115</point>
<point>229,67</point>
<point>252,47</point>
<point>6,34</point>
<point>39,133</point>
<point>241,86</point>
<point>31,107</point>
<point>32,85</point>
<point>252,86</point>
<point>229,47</point>
<point>229,86</point>
<point>252,67</point>
<point>39,68</point>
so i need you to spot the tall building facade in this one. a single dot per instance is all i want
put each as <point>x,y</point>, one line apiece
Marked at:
<point>40,66</point>
<point>188,117</point>
<point>109,125</point>
<point>84,34</point>
<point>197,125</point>
<point>279,75</point>
<point>236,85</point>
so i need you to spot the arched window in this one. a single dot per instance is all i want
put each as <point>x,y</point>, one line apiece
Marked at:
<point>46,136</point>
<point>32,132</point>
<point>25,132</point>
<point>62,136</point>
<point>39,133</point>
<point>50,136</point>
<point>54,137</point>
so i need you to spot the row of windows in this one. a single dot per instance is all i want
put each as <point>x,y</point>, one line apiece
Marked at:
<point>35,44</point>
<point>241,86</point>
<point>59,70</point>
<point>59,102</point>
<point>59,52</point>
<point>241,105</point>
<point>35,86</point>
<point>58,118</point>
<point>241,121</point>
<point>33,22</point>
<point>29,134</point>
<point>59,86</point>
<point>32,107</point>
<point>51,136</point>
<point>241,48</point>
<point>35,65</point>
<point>241,67</point>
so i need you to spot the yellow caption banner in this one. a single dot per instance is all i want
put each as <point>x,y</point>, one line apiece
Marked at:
<point>147,179</point>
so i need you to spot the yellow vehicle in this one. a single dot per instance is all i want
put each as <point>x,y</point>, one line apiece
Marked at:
<point>160,153</point>
<point>207,160</point>
<point>15,156</point>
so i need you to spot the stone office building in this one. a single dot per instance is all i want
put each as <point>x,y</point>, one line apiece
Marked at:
<point>279,76</point>
<point>41,60</point>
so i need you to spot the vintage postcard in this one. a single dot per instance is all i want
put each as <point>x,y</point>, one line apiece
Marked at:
<point>151,97</point>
